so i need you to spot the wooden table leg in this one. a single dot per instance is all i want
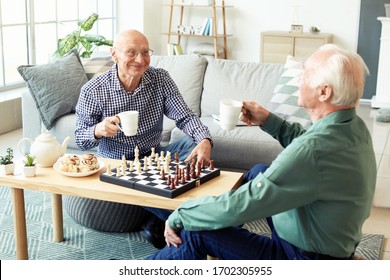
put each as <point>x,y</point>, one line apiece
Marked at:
<point>20,224</point>
<point>58,224</point>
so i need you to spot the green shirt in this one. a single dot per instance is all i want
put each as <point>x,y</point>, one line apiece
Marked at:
<point>319,189</point>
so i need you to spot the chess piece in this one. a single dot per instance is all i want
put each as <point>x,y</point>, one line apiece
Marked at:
<point>193,173</point>
<point>159,165</point>
<point>108,169</point>
<point>211,165</point>
<point>173,185</point>
<point>168,158</point>
<point>176,169</point>
<point>177,157</point>
<point>166,167</point>
<point>145,166</point>
<point>183,180</point>
<point>162,175</point>
<point>153,153</point>
<point>131,169</point>
<point>162,155</point>
<point>176,180</point>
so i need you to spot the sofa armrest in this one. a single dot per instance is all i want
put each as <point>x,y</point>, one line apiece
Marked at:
<point>32,124</point>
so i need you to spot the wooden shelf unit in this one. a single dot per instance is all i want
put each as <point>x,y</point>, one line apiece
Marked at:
<point>215,36</point>
<point>276,45</point>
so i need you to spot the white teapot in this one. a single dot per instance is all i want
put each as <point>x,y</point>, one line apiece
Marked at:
<point>46,149</point>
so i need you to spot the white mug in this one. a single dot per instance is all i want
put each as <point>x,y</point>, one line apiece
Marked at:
<point>128,122</point>
<point>229,111</point>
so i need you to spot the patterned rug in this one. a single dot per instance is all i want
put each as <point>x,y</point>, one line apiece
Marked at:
<point>85,244</point>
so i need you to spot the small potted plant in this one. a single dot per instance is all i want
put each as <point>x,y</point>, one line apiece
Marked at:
<point>29,168</point>
<point>7,166</point>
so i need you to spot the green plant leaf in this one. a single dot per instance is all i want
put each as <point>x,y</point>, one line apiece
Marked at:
<point>68,43</point>
<point>87,24</point>
<point>8,158</point>
<point>29,160</point>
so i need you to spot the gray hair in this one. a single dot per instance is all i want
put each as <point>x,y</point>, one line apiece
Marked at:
<point>344,72</point>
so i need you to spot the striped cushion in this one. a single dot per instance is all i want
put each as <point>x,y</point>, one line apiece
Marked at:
<point>284,101</point>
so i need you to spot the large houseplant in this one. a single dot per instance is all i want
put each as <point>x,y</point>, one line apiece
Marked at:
<point>85,44</point>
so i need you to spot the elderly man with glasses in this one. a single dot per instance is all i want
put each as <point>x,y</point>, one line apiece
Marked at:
<point>131,84</point>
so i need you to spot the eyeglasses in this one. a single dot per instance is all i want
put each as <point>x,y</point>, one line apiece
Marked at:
<point>133,53</point>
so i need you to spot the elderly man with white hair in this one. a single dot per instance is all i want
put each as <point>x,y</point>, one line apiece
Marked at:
<point>315,195</point>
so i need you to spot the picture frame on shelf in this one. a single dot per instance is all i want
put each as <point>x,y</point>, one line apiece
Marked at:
<point>296,28</point>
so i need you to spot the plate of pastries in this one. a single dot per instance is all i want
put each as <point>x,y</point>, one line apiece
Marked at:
<point>78,165</point>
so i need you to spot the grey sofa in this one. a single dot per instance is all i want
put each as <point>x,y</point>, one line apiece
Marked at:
<point>203,83</point>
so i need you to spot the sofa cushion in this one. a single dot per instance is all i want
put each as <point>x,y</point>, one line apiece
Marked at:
<point>55,86</point>
<point>188,72</point>
<point>237,80</point>
<point>97,65</point>
<point>208,50</point>
<point>284,102</point>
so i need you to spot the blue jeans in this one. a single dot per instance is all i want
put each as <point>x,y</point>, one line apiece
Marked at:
<point>233,243</point>
<point>184,146</point>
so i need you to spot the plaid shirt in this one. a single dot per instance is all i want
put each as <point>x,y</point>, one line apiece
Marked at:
<point>156,96</point>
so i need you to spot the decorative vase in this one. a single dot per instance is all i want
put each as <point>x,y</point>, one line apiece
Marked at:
<point>29,171</point>
<point>7,169</point>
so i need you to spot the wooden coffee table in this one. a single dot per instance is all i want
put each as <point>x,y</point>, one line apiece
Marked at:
<point>49,180</point>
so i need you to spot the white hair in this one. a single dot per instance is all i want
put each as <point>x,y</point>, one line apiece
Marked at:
<point>344,72</point>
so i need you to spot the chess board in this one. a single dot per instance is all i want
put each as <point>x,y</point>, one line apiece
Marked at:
<point>151,180</point>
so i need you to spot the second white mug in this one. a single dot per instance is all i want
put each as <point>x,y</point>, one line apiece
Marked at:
<point>229,111</point>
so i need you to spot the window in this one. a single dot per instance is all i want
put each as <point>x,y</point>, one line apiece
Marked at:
<point>30,29</point>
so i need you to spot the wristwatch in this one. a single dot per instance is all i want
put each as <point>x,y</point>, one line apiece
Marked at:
<point>211,142</point>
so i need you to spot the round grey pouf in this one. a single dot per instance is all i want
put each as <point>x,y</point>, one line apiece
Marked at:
<point>105,215</point>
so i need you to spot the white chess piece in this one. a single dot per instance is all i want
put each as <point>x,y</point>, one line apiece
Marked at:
<point>158,165</point>
<point>166,168</point>
<point>131,168</point>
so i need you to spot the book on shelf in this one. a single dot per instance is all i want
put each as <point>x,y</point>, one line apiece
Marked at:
<point>211,30</point>
<point>178,49</point>
<point>206,30</point>
<point>204,26</point>
<point>170,49</point>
